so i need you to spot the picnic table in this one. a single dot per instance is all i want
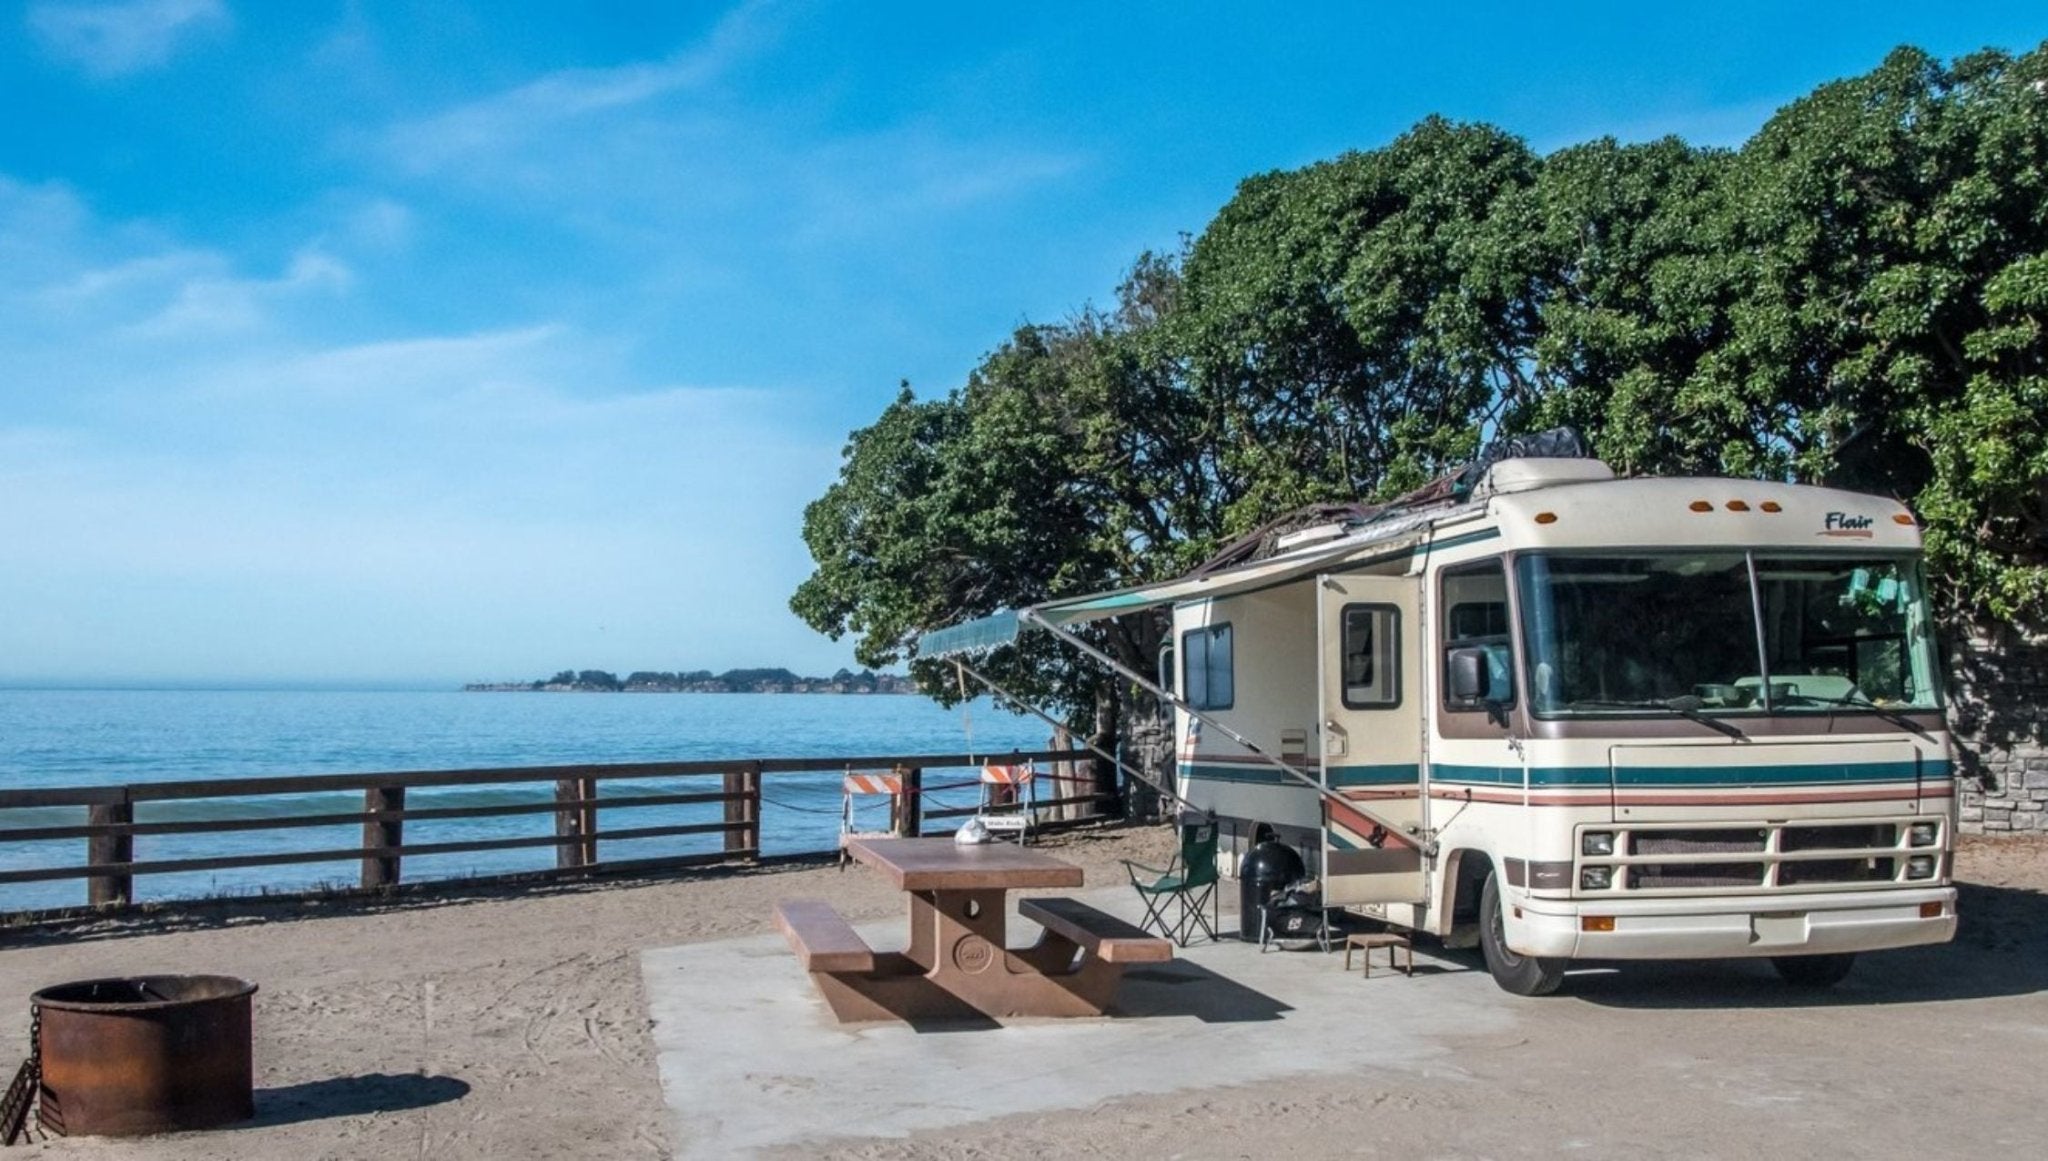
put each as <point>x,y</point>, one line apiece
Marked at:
<point>958,962</point>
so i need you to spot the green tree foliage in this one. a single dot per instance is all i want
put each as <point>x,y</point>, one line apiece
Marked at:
<point>1856,296</point>
<point>1346,327</point>
<point>1028,482</point>
<point>1892,315</point>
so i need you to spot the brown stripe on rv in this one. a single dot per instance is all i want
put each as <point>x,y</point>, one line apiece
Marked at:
<point>1388,861</point>
<point>1545,876</point>
<point>1518,872</point>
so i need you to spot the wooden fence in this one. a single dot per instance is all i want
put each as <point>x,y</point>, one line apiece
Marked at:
<point>577,808</point>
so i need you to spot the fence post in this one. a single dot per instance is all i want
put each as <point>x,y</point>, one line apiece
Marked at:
<point>110,850</point>
<point>744,808</point>
<point>909,821</point>
<point>576,822</point>
<point>382,834</point>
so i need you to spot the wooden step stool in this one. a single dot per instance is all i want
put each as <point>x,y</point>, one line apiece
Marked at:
<point>1394,943</point>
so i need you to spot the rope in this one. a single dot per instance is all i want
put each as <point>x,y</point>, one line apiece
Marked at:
<point>800,809</point>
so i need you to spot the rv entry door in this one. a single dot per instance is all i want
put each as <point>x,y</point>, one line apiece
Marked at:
<point>1370,687</point>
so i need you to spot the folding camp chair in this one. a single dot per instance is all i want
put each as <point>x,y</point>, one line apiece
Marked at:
<point>858,786</point>
<point>1009,799</point>
<point>1189,881</point>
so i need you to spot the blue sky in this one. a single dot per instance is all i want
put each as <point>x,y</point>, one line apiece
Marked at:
<point>442,341</point>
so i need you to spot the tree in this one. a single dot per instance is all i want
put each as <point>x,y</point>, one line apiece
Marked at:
<point>1897,221</point>
<point>1348,326</point>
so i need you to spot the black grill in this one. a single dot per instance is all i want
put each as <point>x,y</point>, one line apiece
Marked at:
<point>1722,841</point>
<point>1837,838</point>
<point>1650,876</point>
<point>1836,871</point>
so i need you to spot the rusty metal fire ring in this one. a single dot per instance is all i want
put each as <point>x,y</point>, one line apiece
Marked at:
<point>145,1054</point>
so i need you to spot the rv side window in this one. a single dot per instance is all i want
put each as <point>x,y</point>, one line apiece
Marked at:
<point>1372,656</point>
<point>1205,668</point>
<point>1475,604</point>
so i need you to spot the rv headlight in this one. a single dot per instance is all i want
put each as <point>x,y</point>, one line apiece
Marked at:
<point>1920,867</point>
<point>1598,843</point>
<point>1596,878</point>
<point>1922,834</point>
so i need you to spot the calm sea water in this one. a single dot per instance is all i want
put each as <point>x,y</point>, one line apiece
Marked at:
<point>97,737</point>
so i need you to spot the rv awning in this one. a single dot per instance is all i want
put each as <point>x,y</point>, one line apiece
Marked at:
<point>1002,628</point>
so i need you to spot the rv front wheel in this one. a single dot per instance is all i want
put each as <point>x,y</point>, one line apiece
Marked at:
<point>1524,975</point>
<point>1813,971</point>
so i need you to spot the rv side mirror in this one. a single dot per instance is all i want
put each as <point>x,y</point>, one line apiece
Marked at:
<point>1468,676</point>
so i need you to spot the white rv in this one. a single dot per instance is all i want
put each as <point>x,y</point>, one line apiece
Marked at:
<point>1570,716</point>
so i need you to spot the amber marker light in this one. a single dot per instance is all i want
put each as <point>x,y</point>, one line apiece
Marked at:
<point>1903,518</point>
<point>1546,517</point>
<point>1702,506</point>
<point>1738,505</point>
<point>1771,506</point>
<point>1596,923</point>
<point>1930,910</point>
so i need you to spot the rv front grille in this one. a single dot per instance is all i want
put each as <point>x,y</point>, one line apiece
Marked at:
<point>1650,857</point>
<point>1697,842</point>
<point>1838,838</point>
<point>1800,873</point>
<point>1653,876</point>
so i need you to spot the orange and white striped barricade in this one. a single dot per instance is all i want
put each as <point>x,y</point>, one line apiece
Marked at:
<point>857,786</point>
<point>1009,798</point>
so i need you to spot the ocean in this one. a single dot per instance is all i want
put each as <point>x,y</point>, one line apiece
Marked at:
<point>74,737</point>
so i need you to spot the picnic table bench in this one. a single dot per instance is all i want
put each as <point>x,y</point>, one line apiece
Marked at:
<point>958,963</point>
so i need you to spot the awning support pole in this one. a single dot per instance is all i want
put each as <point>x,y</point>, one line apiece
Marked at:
<point>1394,829</point>
<point>1056,724</point>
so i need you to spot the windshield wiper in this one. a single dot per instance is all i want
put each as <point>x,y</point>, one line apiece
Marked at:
<point>1863,703</point>
<point>1686,706</point>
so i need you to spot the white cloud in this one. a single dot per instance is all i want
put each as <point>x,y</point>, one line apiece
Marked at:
<point>115,39</point>
<point>436,507</point>
<point>671,153</point>
<point>505,122</point>
<point>220,302</point>
<point>259,502</point>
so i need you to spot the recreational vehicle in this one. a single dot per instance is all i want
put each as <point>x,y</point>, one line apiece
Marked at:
<point>1569,716</point>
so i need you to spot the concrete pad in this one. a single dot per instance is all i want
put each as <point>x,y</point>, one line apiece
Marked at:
<point>750,1057</point>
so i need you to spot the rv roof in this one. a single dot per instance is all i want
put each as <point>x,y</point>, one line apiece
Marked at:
<point>1591,512</point>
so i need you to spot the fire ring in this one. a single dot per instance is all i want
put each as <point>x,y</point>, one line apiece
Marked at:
<point>145,1054</point>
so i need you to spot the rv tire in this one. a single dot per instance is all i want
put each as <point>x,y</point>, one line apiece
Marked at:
<point>1524,975</point>
<point>1813,971</point>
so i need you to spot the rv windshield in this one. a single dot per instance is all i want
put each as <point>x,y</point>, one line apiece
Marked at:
<point>1678,633</point>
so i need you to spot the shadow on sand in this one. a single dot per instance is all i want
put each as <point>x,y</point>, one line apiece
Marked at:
<point>353,1096</point>
<point>2000,949</point>
<point>1175,988</point>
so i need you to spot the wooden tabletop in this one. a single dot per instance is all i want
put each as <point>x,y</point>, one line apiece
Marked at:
<point>940,864</point>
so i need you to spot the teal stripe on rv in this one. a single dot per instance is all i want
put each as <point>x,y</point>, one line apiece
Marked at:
<point>1243,775</point>
<point>1484,775</point>
<point>1805,774</point>
<point>1391,774</point>
<point>1340,776</point>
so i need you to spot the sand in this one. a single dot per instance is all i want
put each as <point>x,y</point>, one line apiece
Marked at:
<point>515,1026</point>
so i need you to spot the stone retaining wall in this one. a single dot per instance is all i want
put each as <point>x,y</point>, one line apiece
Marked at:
<point>1998,704</point>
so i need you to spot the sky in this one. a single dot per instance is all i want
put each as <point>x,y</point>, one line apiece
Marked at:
<point>446,341</point>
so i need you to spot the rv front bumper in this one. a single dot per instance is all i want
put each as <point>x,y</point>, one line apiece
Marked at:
<point>1710,928</point>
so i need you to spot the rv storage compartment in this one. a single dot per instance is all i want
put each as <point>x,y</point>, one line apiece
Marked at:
<point>1264,871</point>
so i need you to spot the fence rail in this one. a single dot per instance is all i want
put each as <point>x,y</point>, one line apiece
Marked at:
<point>577,806</point>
